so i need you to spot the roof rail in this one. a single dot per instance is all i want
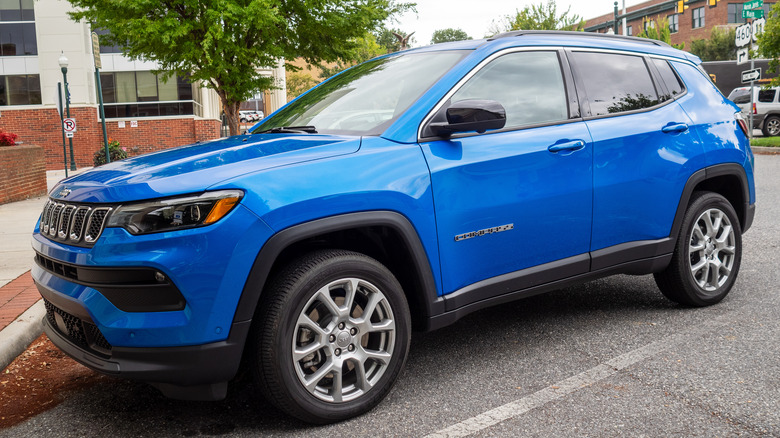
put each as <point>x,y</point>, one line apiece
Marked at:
<point>516,33</point>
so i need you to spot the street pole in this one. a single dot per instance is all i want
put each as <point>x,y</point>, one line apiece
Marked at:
<point>62,126</point>
<point>615,22</point>
<point>98,66</point>
<point>102,114</point>
<point>625,26</point>
<point>752,83</point>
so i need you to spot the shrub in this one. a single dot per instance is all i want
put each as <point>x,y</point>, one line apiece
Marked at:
<point>116,152</point>
<point>7,138</point>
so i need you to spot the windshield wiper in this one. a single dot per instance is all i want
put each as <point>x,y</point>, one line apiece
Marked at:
<point>289,130</point>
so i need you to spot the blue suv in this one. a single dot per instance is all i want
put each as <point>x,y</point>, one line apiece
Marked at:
<point>402,194</point>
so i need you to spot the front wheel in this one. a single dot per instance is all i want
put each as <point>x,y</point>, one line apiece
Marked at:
<point>331,337</point>
<point>707,257</point>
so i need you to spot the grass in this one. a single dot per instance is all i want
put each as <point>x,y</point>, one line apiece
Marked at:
<point>766,141</point>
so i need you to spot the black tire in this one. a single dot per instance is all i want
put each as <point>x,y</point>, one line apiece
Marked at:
<point>771,126</point>
<point>299,292</point>
<point>716,250</point>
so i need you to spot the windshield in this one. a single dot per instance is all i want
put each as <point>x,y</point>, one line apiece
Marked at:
<point>367,98</point>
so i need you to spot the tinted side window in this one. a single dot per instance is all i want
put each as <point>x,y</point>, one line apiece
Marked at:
<point>615,83</point>
<point>528,84</point>
<point>673,84</point>
<point>767,95</point>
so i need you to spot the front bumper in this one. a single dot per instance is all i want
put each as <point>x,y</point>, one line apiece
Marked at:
<point>197,372</point>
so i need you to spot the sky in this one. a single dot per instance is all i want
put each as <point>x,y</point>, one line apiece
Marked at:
<point>476,17</point>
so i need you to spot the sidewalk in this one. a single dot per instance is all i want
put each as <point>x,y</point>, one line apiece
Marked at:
<point>21,308</point>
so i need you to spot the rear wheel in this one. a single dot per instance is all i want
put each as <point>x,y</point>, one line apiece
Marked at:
<point>771,126</point>
<point>707,257</point>
<point>331,336</point>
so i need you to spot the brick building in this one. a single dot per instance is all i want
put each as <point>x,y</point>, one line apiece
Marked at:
<point>695,22</point>
<point>143,112</point>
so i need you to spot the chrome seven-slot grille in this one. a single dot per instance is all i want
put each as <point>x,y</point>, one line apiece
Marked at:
<point>73,224</point>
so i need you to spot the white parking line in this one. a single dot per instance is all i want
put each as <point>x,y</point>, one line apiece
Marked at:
<point>582,380</point>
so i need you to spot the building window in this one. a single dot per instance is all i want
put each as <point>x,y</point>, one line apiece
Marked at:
<point>20,90</point>
<point>18,39</point>
<point>629,30</point>
<point>735,12</point>
<point>16,10</point>
<point>144,94</point>
<point>698,17</point>
<point>649,24</point>
<point>674,23</point>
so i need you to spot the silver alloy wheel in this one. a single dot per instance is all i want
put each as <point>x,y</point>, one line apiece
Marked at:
<point>773,126</point>
<point>712,249</point>
<point>343,340</point>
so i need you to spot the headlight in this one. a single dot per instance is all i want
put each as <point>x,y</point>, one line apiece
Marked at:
<point>175,213</point>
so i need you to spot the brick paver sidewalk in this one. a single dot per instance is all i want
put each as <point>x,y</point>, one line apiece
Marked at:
<point>16,297</point>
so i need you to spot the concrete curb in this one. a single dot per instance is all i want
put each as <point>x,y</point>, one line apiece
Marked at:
<point>764,150</point>
<point>15,338</point>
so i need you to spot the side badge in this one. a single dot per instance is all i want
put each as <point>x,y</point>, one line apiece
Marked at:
<point>484,232</point>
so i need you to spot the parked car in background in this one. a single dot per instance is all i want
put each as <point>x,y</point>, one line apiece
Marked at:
<point>404,193</point>
<point>765,109</point>
<point>248,116</point>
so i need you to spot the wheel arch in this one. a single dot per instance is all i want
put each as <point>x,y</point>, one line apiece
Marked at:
<point>728,180</point>
<point>386,236</point>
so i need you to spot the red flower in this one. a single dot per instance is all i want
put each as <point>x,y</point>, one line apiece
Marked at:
<point>7,138</point>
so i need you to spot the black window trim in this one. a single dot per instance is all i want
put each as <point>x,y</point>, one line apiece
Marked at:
<point>654,76</point>
<point>572,101</point>
<point>657,76</point>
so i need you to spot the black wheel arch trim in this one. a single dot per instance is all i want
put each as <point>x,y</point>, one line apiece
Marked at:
<point>267,256</point>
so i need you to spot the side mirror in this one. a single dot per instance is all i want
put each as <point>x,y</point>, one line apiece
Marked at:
<point>471,115</point>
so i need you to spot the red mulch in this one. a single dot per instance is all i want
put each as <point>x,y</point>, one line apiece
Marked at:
<point>38,380</point>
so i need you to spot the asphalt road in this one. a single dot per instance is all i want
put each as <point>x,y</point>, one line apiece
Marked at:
<point>610,358</point>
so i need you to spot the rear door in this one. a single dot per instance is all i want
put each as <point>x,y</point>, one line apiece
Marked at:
<point>520,197</point>
<point>643,149</point>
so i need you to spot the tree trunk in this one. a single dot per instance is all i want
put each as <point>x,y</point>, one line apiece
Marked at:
<point>231,112</point>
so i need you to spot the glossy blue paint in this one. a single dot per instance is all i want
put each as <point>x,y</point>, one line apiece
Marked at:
<point>194,168</point>
<point>502,178</point>
<point>714,123</point>
<point>639,173</point>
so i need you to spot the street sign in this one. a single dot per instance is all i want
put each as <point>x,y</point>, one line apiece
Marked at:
<point>96,50</point>
<point>754,4</point>
<point>753,14</point>
<point>69,124</point>
<point>758,28</point>
<point>744,33</point>
<point>742,56</point>
<point>751,75</point>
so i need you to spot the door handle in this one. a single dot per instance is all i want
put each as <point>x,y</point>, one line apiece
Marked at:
<point>674,128</point>
<point>568,146</point>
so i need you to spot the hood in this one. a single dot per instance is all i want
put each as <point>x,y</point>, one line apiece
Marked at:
<point>195,168</point>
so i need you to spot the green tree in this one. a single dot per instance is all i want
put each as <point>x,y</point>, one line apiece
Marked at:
<point>366,48</point>
<point>543,16</point>
<point>449,34</point>
<point>659,30</point>
<point>769,42</point>
<point>719,47</point>
<point>298,82</point>
<point>224,42</point>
